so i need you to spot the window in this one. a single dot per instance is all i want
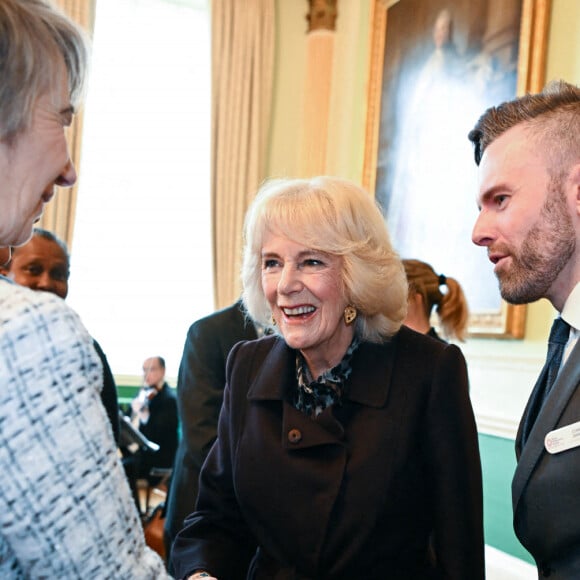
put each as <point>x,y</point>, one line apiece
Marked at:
<point>141,264</point>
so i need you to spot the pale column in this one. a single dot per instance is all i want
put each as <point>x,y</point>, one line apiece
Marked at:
<point>348,102</point>
<point>317,87</point>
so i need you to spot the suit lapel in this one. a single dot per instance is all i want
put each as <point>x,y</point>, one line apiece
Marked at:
<point>566,384</point>
<point>531,410</point>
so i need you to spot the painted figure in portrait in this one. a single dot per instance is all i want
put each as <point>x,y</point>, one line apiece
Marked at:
<point>444,63</point>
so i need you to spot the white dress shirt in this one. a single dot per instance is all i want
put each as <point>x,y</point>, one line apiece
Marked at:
<point>571,315</point>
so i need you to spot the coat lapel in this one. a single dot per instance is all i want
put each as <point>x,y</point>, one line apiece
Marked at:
<point>372,369</point>
<point>279,362</point>
<point>369,390</point>
<point>564,387</point>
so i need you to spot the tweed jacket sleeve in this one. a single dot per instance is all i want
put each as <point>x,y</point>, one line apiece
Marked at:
<point>65,506</point>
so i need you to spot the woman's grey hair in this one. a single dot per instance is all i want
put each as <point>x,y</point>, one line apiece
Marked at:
<point>35,39</point>
<point>337,217</point>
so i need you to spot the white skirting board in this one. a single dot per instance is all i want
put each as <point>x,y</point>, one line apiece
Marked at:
<point>502,566</point>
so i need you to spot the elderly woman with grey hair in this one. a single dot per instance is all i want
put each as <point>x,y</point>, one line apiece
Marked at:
<point>65,508</point>
<point>347,446</point>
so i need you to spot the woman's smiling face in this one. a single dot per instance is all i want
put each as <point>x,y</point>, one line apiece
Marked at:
<point>305,292</point>
<point>34,164</point>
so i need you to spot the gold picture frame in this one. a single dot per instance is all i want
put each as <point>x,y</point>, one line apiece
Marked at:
<point>529,38</point>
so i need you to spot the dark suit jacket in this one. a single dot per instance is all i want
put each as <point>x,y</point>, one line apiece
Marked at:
<point>200,388</point>
<point>546,488</point>
<point>355,493</point>
<point>109,393</point>
<point>161,428</point>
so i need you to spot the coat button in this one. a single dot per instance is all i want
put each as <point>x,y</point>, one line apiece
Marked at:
<point>294,436</point>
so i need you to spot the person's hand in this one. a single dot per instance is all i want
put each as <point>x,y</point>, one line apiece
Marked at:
<point>136,405</point>
<point>200,575</point>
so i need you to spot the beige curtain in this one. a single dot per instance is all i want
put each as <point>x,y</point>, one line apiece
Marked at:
<point>242,76</point>
<point>59,215</point>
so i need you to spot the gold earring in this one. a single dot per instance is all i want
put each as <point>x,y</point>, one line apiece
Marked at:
<point>272,320</point>
<point>350,314</point>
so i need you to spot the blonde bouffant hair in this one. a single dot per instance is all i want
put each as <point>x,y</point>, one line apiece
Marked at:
<point>334,216</point>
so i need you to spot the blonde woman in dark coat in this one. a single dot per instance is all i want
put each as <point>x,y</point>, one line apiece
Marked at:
<point>345,441</point>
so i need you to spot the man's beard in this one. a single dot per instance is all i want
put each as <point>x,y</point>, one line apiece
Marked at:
<point>545,251</point>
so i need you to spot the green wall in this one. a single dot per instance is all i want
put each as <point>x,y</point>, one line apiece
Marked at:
<point>126,393</point>
<point>498,463</point>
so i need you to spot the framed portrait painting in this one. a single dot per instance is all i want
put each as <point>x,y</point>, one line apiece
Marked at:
<point>436,66</point>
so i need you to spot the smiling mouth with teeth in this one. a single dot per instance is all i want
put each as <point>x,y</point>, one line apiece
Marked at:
<point>298,311</point>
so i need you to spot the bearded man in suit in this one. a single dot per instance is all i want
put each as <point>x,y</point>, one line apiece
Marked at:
<point>528,152</point>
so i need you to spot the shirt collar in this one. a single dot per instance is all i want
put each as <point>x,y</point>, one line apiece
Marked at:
<point>571,310</point>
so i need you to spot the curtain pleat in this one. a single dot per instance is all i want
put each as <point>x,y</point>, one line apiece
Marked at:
<point>59,215</point>
<point>242,77</point>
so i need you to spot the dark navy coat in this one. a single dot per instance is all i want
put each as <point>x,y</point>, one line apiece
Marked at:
<point>377,489</point>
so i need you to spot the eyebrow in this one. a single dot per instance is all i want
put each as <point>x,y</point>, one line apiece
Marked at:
<point>489,193</point>
<point>301,255</point>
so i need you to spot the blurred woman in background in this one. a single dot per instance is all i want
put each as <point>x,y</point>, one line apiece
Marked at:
<point>430,291</point>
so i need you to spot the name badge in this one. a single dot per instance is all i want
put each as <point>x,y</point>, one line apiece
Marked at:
<point>562,439</point>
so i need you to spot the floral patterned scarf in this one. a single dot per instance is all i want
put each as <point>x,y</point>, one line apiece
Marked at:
<point>313,396</point>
